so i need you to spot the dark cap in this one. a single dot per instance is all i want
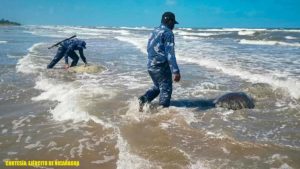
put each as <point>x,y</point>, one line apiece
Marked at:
<point>168,16</point>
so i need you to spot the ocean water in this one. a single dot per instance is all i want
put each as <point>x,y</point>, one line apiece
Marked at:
<point>94,118</point>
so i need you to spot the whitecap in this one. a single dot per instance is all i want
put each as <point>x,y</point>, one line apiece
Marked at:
<point>203,34</point>
<point>139,42</point>
<point>105,160</point>
<point>246,32</point>
<point>4,131</point>
<point>290,37</point>
<point>37,145</point>
<point>265,42</point>
<point>25,64</point>
<point>129,160</point>
<point>290,85</point>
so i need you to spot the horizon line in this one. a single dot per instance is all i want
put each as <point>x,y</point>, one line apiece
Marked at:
<point>156,26</point>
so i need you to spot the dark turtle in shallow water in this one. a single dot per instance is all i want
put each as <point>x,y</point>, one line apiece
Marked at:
<point>234,101</point>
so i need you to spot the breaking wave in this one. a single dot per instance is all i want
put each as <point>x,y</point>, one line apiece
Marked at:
<point>265,42</point>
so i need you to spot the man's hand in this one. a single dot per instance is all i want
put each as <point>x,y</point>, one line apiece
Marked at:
<point>177,77</point>
<point>67,66</point>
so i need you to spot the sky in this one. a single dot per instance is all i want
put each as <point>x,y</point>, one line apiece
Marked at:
<point>132,13</point>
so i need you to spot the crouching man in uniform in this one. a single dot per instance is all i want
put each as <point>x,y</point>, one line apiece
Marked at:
<point>67,49</point>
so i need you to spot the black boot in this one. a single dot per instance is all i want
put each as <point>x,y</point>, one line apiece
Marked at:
<point>142,101</point>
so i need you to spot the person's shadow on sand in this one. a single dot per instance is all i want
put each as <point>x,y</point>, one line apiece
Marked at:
<point>234,101</point>
<point>200,104</point>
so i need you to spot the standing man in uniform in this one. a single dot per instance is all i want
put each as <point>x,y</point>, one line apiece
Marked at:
<point>67,49</point>
<point>161,62</point>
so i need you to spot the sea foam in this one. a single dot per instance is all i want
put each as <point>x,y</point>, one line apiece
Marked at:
<point>70,98</point>
<point>265,42</point>
<point>246,32</point>
<point>25,64</point>
<point>290,85</point>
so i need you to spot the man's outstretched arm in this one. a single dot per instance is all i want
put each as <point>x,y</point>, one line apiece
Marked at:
<point>82,56</point>
<point>170,53</point>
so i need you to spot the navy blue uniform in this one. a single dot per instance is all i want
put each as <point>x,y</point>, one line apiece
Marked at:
<point>161,64</point>
<point>67,49</point>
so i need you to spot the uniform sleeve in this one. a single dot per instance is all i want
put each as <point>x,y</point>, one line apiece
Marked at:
<point>82,56</point>
<point>170,52</point>
<point>69,49</point>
